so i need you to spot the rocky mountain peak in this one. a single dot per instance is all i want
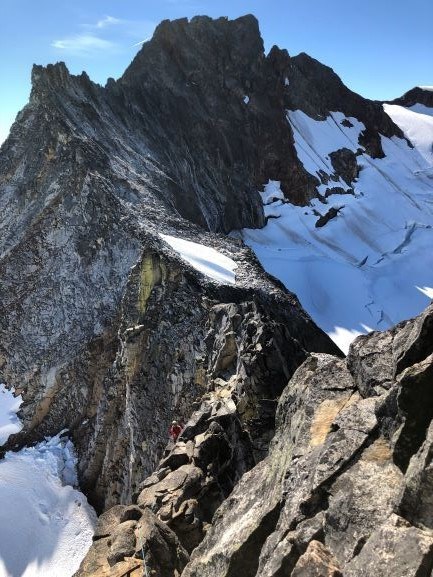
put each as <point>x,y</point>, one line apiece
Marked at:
<point>245,28</point>
<point>48,80</point>
<point>202,49</point>
<point>417,95</point>
<point>89,179</point>
<point>116,314</point>
<point>50,74</point>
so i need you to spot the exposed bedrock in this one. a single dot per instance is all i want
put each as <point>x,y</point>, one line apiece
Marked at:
<point>344,163</point>
<point>345,488</point>
<point>416,95</point>
<point>103,328</point>
<point>176,339</point>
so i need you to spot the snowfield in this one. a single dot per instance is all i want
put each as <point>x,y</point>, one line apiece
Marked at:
<point>205,259</point>
<point>46,525</point>
<point>372,265</point>
<point>9,422</point>
<point>417,124</point>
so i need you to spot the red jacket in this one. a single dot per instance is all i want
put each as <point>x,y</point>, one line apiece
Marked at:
<point>175,431</point>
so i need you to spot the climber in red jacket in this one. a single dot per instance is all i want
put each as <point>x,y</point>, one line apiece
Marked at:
<point>175,430</point>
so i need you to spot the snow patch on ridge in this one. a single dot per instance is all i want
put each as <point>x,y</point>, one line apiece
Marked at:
<point>46,525</point>
<point>421,109</point>
<point>426,290</point>
<point>417,124</point>
<point>203,258</point>
<point>362,270</point>
<point>315,139</point>
<point>9,405</point>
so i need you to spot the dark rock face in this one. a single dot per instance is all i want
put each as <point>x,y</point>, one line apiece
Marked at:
<point>415,96</point>
<point>315,89</point>
<point>223,129</point>
<point>344,163</point>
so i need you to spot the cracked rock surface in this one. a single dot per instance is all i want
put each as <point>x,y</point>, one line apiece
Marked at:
<point>345,486</point>
<point>345,489</point>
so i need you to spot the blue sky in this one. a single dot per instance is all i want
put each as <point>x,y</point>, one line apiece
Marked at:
<point>380,48</point>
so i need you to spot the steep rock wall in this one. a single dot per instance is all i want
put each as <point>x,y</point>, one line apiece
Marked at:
<point>102,328</point>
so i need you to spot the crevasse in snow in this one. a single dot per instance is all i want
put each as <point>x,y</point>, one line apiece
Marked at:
<point>363,269</point>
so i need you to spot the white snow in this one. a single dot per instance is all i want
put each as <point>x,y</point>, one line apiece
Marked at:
<point>246,99</point>
<point>362,270</point>
<point>46,525</point>
<point>9,405</point>
<point>417,124</point>
<point>428,88</point>
<point>316,139</point>
<point>203,258</point>
<point>286,81</point>
<point>343,337</point>
<point>421,108</point>
<point>426,290</point>
<point>272,192</point>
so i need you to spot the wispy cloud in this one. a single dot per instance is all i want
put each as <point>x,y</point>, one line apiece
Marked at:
<point>108,34</point>
<point>108,21</point>
<point>83,45</point>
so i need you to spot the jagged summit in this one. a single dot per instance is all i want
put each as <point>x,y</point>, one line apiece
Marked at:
<point>235,44</point>
<point>48,79</point>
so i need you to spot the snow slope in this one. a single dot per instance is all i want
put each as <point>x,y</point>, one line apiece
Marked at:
<point>9,405</point>
<point>372,265</point>
<point>203,258</point>
<point>417,124</point>
<point>46,525</point>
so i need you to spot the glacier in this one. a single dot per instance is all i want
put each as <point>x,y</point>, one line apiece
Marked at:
<point>372,265</point>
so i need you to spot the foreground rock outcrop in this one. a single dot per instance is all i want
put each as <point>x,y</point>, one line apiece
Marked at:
<point>345,489</point>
